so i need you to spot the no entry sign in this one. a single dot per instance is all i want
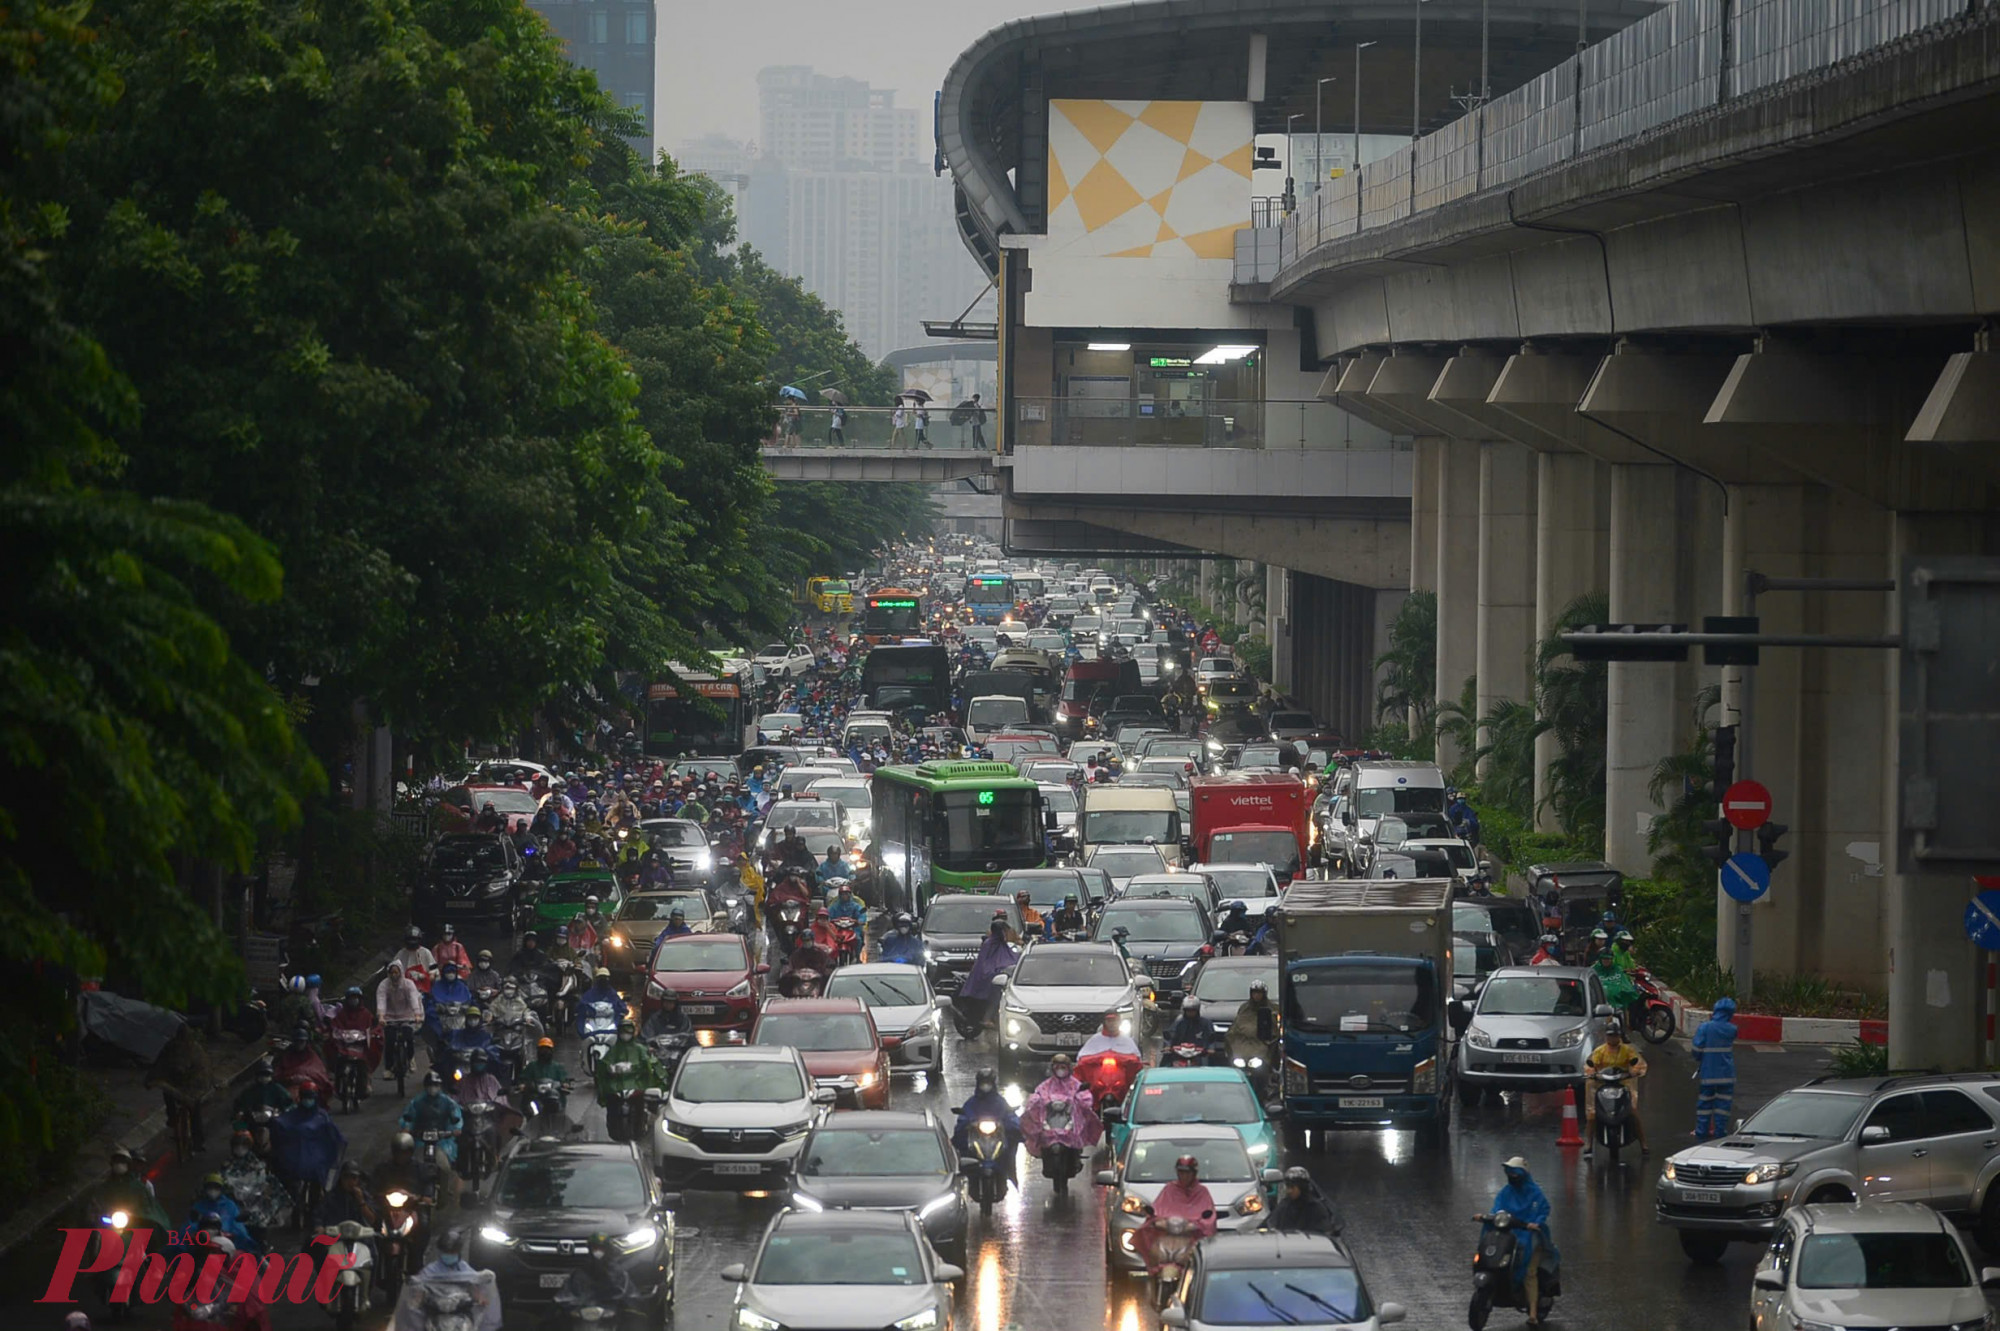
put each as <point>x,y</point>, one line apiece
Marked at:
<point>1747,805</point>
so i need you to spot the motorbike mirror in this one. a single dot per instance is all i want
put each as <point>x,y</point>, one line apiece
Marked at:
<point>958,1109</point>
<point>1390,1313</point>
<point>1174,1316</point>
<point>947,1273</point>
<point>670,1201</point>
<point>1272,1177</point>
<point>1113,1114</point>
<point>825,1095</point>
<point>1768,1280</point>
<point>654,1095</point>
<point>736,1273</point>
<point>763,968</point>
<point>1989,1276</point>
<point>1603,1010</point>
<point>1107,1178</point>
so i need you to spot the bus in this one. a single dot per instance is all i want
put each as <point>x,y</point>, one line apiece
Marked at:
<point>907,677</point>
<point>955,826</point>
<point>830,596</point>
<point>693,711</point>
<point>1030,586</point>
<point>989,597</point>
<point>892,613</point>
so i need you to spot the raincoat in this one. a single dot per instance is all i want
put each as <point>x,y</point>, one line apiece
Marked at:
<point>994,958</point>
<point>302,1063</point>
<point>899,946</point>
<point>435,1113</point>
<point>358,1018</point>
<point>1715,1051</point>
<point>306,1144</point>
<point>645,1069</point>
<point>1060,1113</point>
<point>485,1291</point>
<point>443,992</point>
<point>231,1215</point>
<point>398,1000</point>
<point>599,992</point>
<point>1619,991</point>
<point>1100,1044</point>
<point>1193,1204</point>
<point>1253,1032</point>
<point>1526,1202</point>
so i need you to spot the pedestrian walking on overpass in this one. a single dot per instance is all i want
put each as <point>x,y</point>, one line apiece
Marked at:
<point>899,421</point>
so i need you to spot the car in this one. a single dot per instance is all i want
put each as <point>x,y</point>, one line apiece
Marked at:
<point>1197,1095</point>
<point>1059,802</point>
<point>1184,747</point>
<point>1513,920</point>
<point>470,876</point>
<point>717,768</point>
<point>641,917</point>
<point>843,1268</point>
<point>1873,1264</point>
<point>1018,742</point>
<point>1162,935</point>
<point>954,926</point>
<point>1047,887</point>
<point>884,1160</point>
<point>785,660</point>
<point>1458,856</point>
<point>906,1013</point>
<point>549,1195</point>
<point>1282,1279</point>
<point>1290,725</point>
<point>1046,770</point>
<point>1474,958</point>
<point>1056,997</point>
<point>1129,735</point>
<point>1532,1030</point>
<point>1210,668</point>
<point>842,1049</point>
<point>459,808</point>
<point>1842,1140</point>
<point>561,898</point>
<point>994,714</point>
<point>717,980</point>
<point>1124,863</point>
<point>794,782</point>
<point>685,844</point>
<point>1223,985</point>
<point>774,725</point>
<point>1149,671</point>
<point>1242,1188</point>
<point>1196,887</point>
<point>851,794</point>
<point>1255,887</point>
<point>1271,756</point>
<point>735,1117</point>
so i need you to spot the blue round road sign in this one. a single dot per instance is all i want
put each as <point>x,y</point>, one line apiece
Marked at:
<point>1746,877</point>
<point>1982,919</point>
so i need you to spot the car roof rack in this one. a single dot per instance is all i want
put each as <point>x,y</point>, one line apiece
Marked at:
<point>1906,1077</point>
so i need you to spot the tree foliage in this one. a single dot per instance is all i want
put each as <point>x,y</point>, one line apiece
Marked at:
<point>1571,697</point>
<point>1408,687</point>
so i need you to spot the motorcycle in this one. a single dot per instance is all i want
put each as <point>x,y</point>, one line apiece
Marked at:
<point>350,1068</point>
<point>1614,1129</point>
<point>670,1050</point>
<point>969,1016</point>
<point>849,934</point>
<point>476,1143</point>
<point>600,1032</point>
<point>1060,1162</point>
<point>217,1313</point>
<point>406,1230</point>
<point>258,1124</point>
<point>1656,1020</point>
<point>1493,1280</point>
<point>450,1019</point>
<point>804,982</point>
<point>625,1116</point>
<point>485,985</point>
<point>1109,1077</point>
<point>510,1037</point>
<point>1258,1068</point>
<point>1186,1054</point>
<point>399,1051</point>
<point>352,1290</point>
<point>546,1110</point>
<point>447,1305</point>
<point>1166,1245</point>
<point>790,920</point>
<point>985,1164</point>
<point>119,1222</point>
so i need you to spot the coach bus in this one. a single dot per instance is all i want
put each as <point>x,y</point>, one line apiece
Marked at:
<point>692,711</point>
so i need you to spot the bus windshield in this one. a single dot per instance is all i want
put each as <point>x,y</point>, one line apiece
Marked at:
<point>989,589</point>
<point>977,827</point>
<point>893,614</point>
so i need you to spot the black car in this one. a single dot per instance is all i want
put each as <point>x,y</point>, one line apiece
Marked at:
<point>1047,887</point>
<point>1165,933</point>
<point>953,927</point>
<point>877,1159</point>
<point>1514,920</point>
<point>549,1197</point>
<point>469,876</point>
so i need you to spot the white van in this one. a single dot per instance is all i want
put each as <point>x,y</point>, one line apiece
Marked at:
<point>1131,816</point>
<point>1375,788</point>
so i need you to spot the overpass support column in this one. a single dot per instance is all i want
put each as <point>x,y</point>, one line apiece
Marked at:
<point>1278,624</point>
<point>1645,550</point>
<point>1458,528</point>
<point>1572,554</point>
<point>1426,465</point>
<point>1506,576</point>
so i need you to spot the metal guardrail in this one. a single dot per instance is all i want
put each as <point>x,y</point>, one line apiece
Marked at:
<point>1275,424</point>
<point>875,427</point>
<point>1670,64</point>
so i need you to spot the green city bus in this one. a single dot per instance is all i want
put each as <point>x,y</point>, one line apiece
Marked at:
<point>956,826</point>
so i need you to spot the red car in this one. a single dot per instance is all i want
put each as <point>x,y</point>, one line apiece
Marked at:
<point>717,980</point>
<point>839,1042</point>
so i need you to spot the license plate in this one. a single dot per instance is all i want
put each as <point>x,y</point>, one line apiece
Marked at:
<point>739,1168</point>
<point>1067,1039</point>
<point>1520,1058</point>
<point>699,1009</point>
<point>460,905</point>
<point>1360,1102</point>
<point>556,1280</point>
<point>1701,1197</point>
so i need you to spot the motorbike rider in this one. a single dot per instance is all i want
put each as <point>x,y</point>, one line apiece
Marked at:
<point>1082,1127</point>
<point>976,995</point>
<point>1622,953</point>
<point>848,905</point>
<point>815,952</point>
<point>434,1111</point>
<point>355,1016</point>
<point>1548,951</point>
<point>1254,1032</point>
<point>629,1049</point>
<point>1302,1206</point>
<point>126,1188</point>
<point>1108,1039</point>
<point>823,933</point>
<point>399,1004</point>
<point>601,991</point>
<point>987,1102</point>
<point>251,1184</point>
<point>449,1267</point>
<point>448,948</point>
<point>1189,1028</point>
<point>667,1019</point>
<point>349,1199</point>
<point>599,1282</point>
<point>1186,1198</point>
<point>903,943</point>
<point>265,1091</point>
<point>1033,925</point>
<point>482,979</point>
<point>419,963</point>
<point>477,1082</point>
<point>1523,1199</point>
<point>450,988</point>
<point>1264,942</point>
<point>531,965</point>
<point>586,931</point>
<point>214,1199</point>
<point>677,924</point>
<point>1067,918</point>
<point>832,868</point>
<point>183,1074</point>
<point>1600,943</point>
<point>508,1007</point>
<point>1614,1053</point>
<point>546,1067</point>
<point>791,851</point>
<point>299,1062</point>
<point>1619,991</point>
<point>306,1144</point>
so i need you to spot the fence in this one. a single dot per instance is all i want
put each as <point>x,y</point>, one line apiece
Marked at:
<point>1670,64</point>
<point>875,427</point>
<point>1283,423</point>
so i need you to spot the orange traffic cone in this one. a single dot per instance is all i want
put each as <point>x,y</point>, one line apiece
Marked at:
<point>1570,1136</point>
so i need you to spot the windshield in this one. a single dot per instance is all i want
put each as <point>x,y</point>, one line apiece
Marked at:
<point>1533,996</point>
<point>572,891</point>
<point>1377,801</point>
<point>1129,827</point>
<point>835,1258</point>
<point>1223,1159</point>
<point>1154,924</point>
<point>816,813</point>
<point>472,852</point>
<point>815,1033</point>
<point>1161,1101</point>
<point>1359,999</point>
<point>1881,1261</point>
<point>1280,850</point>
<point>701,954</point>
<point>848,1154</point>
<point>548,1183</point>
<point>1066,967</point>
<point>672,834</point>
<point>1283,1296</point>
<point>980,825</point>
<point>966,917</point>
<point>853,794</point>
<point>780,721</point>
<point>1183,885</point>
<point>1472,960</point>
<point>1457,852</point>
<point>508,801</point>
<point>1059,799</point>
<point>649,907</point>
<point>1127,863</point>
<point>1045,890</point>
<point>738,1080</point>
<point>1229,987</point>
<point>1806,1114</point>
<point>1241,884</point>
<point>878,990</point>
<point>987,713</point>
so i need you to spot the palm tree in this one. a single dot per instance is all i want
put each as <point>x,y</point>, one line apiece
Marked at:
<point>1409,667</point>
<point>1571,698</point>
<point>1508,757</point>
<point>1457,724</point>
<point>1681,785</point>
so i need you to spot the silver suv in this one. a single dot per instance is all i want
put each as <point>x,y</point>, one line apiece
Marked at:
<point>1928,1139</point>
<point>1056,999</point>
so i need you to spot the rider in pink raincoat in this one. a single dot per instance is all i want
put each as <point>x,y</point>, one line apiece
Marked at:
<point>1060,1112</point>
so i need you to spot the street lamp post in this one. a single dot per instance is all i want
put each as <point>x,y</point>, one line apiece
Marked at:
<point>1319,171</point>
<point>1359,47</point>
<point>1417,83</point>
<point>1291,147</point>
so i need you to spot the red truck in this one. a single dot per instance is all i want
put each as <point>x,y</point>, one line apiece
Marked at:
<point>1252,817</point>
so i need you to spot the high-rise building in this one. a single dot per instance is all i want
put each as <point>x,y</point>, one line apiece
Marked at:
<point>815,122</point>
<point>613,39</point>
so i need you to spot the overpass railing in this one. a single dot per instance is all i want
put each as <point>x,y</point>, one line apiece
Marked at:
<point>1274,424</point>
<point>875,427</point>
<point>1670,64</point>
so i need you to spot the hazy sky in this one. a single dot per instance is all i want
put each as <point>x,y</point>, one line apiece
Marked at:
<point>710,51</point>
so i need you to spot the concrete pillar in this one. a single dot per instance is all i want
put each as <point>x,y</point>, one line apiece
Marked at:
<point>1457,574</point>
<point>1506,575</point>
<point>1644,564</point>
<point>1278,625</point>
<point>1572,551</point>
<point>1427,460</point>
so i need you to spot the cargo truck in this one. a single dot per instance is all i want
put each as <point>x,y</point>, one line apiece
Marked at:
<point>1251,818</point>
<point>1364,981</point>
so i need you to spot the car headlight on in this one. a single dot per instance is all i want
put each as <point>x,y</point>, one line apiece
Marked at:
<point>616,940</point>
<point>1477,1038</point>
<point>1131,1203</point>
<point>495,1234</point>
<point>1570,1038</point>
<point>1251,1204</point>
<point>866,1080</point>
<point>1667,1172</point>
<point>741,989</point>
<point>1424,1077</point>
<point>927,1320</point>
<point>1016,1028</point>
<point>645,1236</point>
<point>1128,1021</point>
<point>704,859</point>
<point>746,1320</point>
<point>936,1204</point>
<point>1771,1173</point>
<point>1260,1150</point>
<point>805,1203</point>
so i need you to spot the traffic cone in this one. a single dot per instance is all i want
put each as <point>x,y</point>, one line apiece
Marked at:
<point>1570,1136</point>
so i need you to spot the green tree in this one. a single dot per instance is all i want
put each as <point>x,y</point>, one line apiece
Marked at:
<point>1408,688</point>
<point>1571,698</point>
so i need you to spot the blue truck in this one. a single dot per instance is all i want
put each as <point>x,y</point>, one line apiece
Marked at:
<point>1364,980</point>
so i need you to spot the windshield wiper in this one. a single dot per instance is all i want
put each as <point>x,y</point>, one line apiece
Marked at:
<point>1337,1314</point>
<point>1272,1303</point>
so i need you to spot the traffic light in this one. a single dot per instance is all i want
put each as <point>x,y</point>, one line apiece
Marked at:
<point>1721,836</point>
<point>1767,844</point>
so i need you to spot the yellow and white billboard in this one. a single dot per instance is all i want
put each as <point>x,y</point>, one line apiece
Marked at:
<point>1148,180</point>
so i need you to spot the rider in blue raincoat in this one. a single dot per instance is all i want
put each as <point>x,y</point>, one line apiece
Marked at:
<point>305,1141</point>
<point>1715,1050</point>
<point>987,1102</point>
<point>903,943</point>
<point>1535,1249</point>
<point>448,989</point>
<point>214,1199</point>
<point>601,991</point>
<point>434,1111</point>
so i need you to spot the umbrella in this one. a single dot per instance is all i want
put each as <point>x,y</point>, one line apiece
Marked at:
<point>915,395</point>
<point>834,395</point>
<point>790,394</point>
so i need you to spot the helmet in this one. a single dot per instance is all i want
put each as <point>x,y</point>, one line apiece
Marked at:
<point>589,902</point>
<point>432,1081</point>
<point>1548,939</point>
<point>1188,1163</point>
<point>347,1168</point>
<point>212,1178</point>
<point>1298,1174</point>
<point>1259,987</point>
<point>678,914</point>
<point>1063,1061</point>
<point>905,921</point>
<point>353,991</point>
<point>485,957</point>
<point>1599,935</point>
<point>599,1243</point>
<point>531,939</point>
<point>452,1241</point>
<point>1191,1005</point>
<point>1623,936</point>
<point>450,930</point>
<point>545,1043</point>
<point>297,984</point>
<point>478,1057</point>
<point>603,973</point>
<point>1270,912</point>
<point>628,1027</point>
<point>402,1141</point>
<point>265,1068</point>
<point>985,1080</point>
<point>413,935</point>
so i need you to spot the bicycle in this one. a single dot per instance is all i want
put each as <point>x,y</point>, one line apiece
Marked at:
<point>400,1051</point>
<point>180,1123</point>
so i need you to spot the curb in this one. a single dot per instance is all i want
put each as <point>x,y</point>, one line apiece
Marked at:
<point>1757,1028</point>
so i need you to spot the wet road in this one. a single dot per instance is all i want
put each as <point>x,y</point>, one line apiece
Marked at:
<point>1037,1263</point>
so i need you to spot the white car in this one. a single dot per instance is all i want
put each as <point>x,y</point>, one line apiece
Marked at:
<point>785,660</point>
<point>993,714</point>
<point>1055,999</point>
<point>735,1117</point>
<point>908,1015</point>
<point>1464,864</point>
<point>1872,1264</point>
<point>771,725</point>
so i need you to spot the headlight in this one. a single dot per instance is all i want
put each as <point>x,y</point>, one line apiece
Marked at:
<point>1295,1079</point>
<point>805,1203</point>
<point>926,1320</point>
<point>653,989</point>
<point>398,1199</point>
<point>747,1320</point>
<point>1251,1204</point>
<point>678,1131</point>
<point>739,990</point>
<point>118,1219</point>
<point>1016,1028</point>
<point>1131,1203</point>
<point>1668,1171</point>
<point>703,859</point>
<point>1570,1039</point>
<point>867,1079</point>
<point>645,1236</point>
<point>799,1129</point>
<point>1424,1078</point>
<point>987,1127</point>
<point>1261,1149</point>
<point>1771,1173</point>
<point>1009,1005</point>
<point>1818,1326</point>
<point>1477,1038</point>
<point>936,1204</point>
<point>1128,1021</point>
<point>616,940</point>
<point>495,1234</point>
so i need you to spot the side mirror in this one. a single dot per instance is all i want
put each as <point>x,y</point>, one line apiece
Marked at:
<point>947,1273</point>
<point>1173,1316</point>
<point>824,1095</point>
<point>1390,1313</point>
<point>1768,1279</point>
<point>1989,1276</point>
<point>1460,1015</point>
<point>654,1095</point>
<point>958,1109</point>
<point>736,1273</point>
<point>1113,1114</point>
<point>1275,1109</point>
<point>670,1201</point>
<point>1603,1010</point>
<point>939,1000</point>
<point>1107,1178</point>
<point>1874,1134</point>
<point>1272,1177</point>
<point>763,968</point>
